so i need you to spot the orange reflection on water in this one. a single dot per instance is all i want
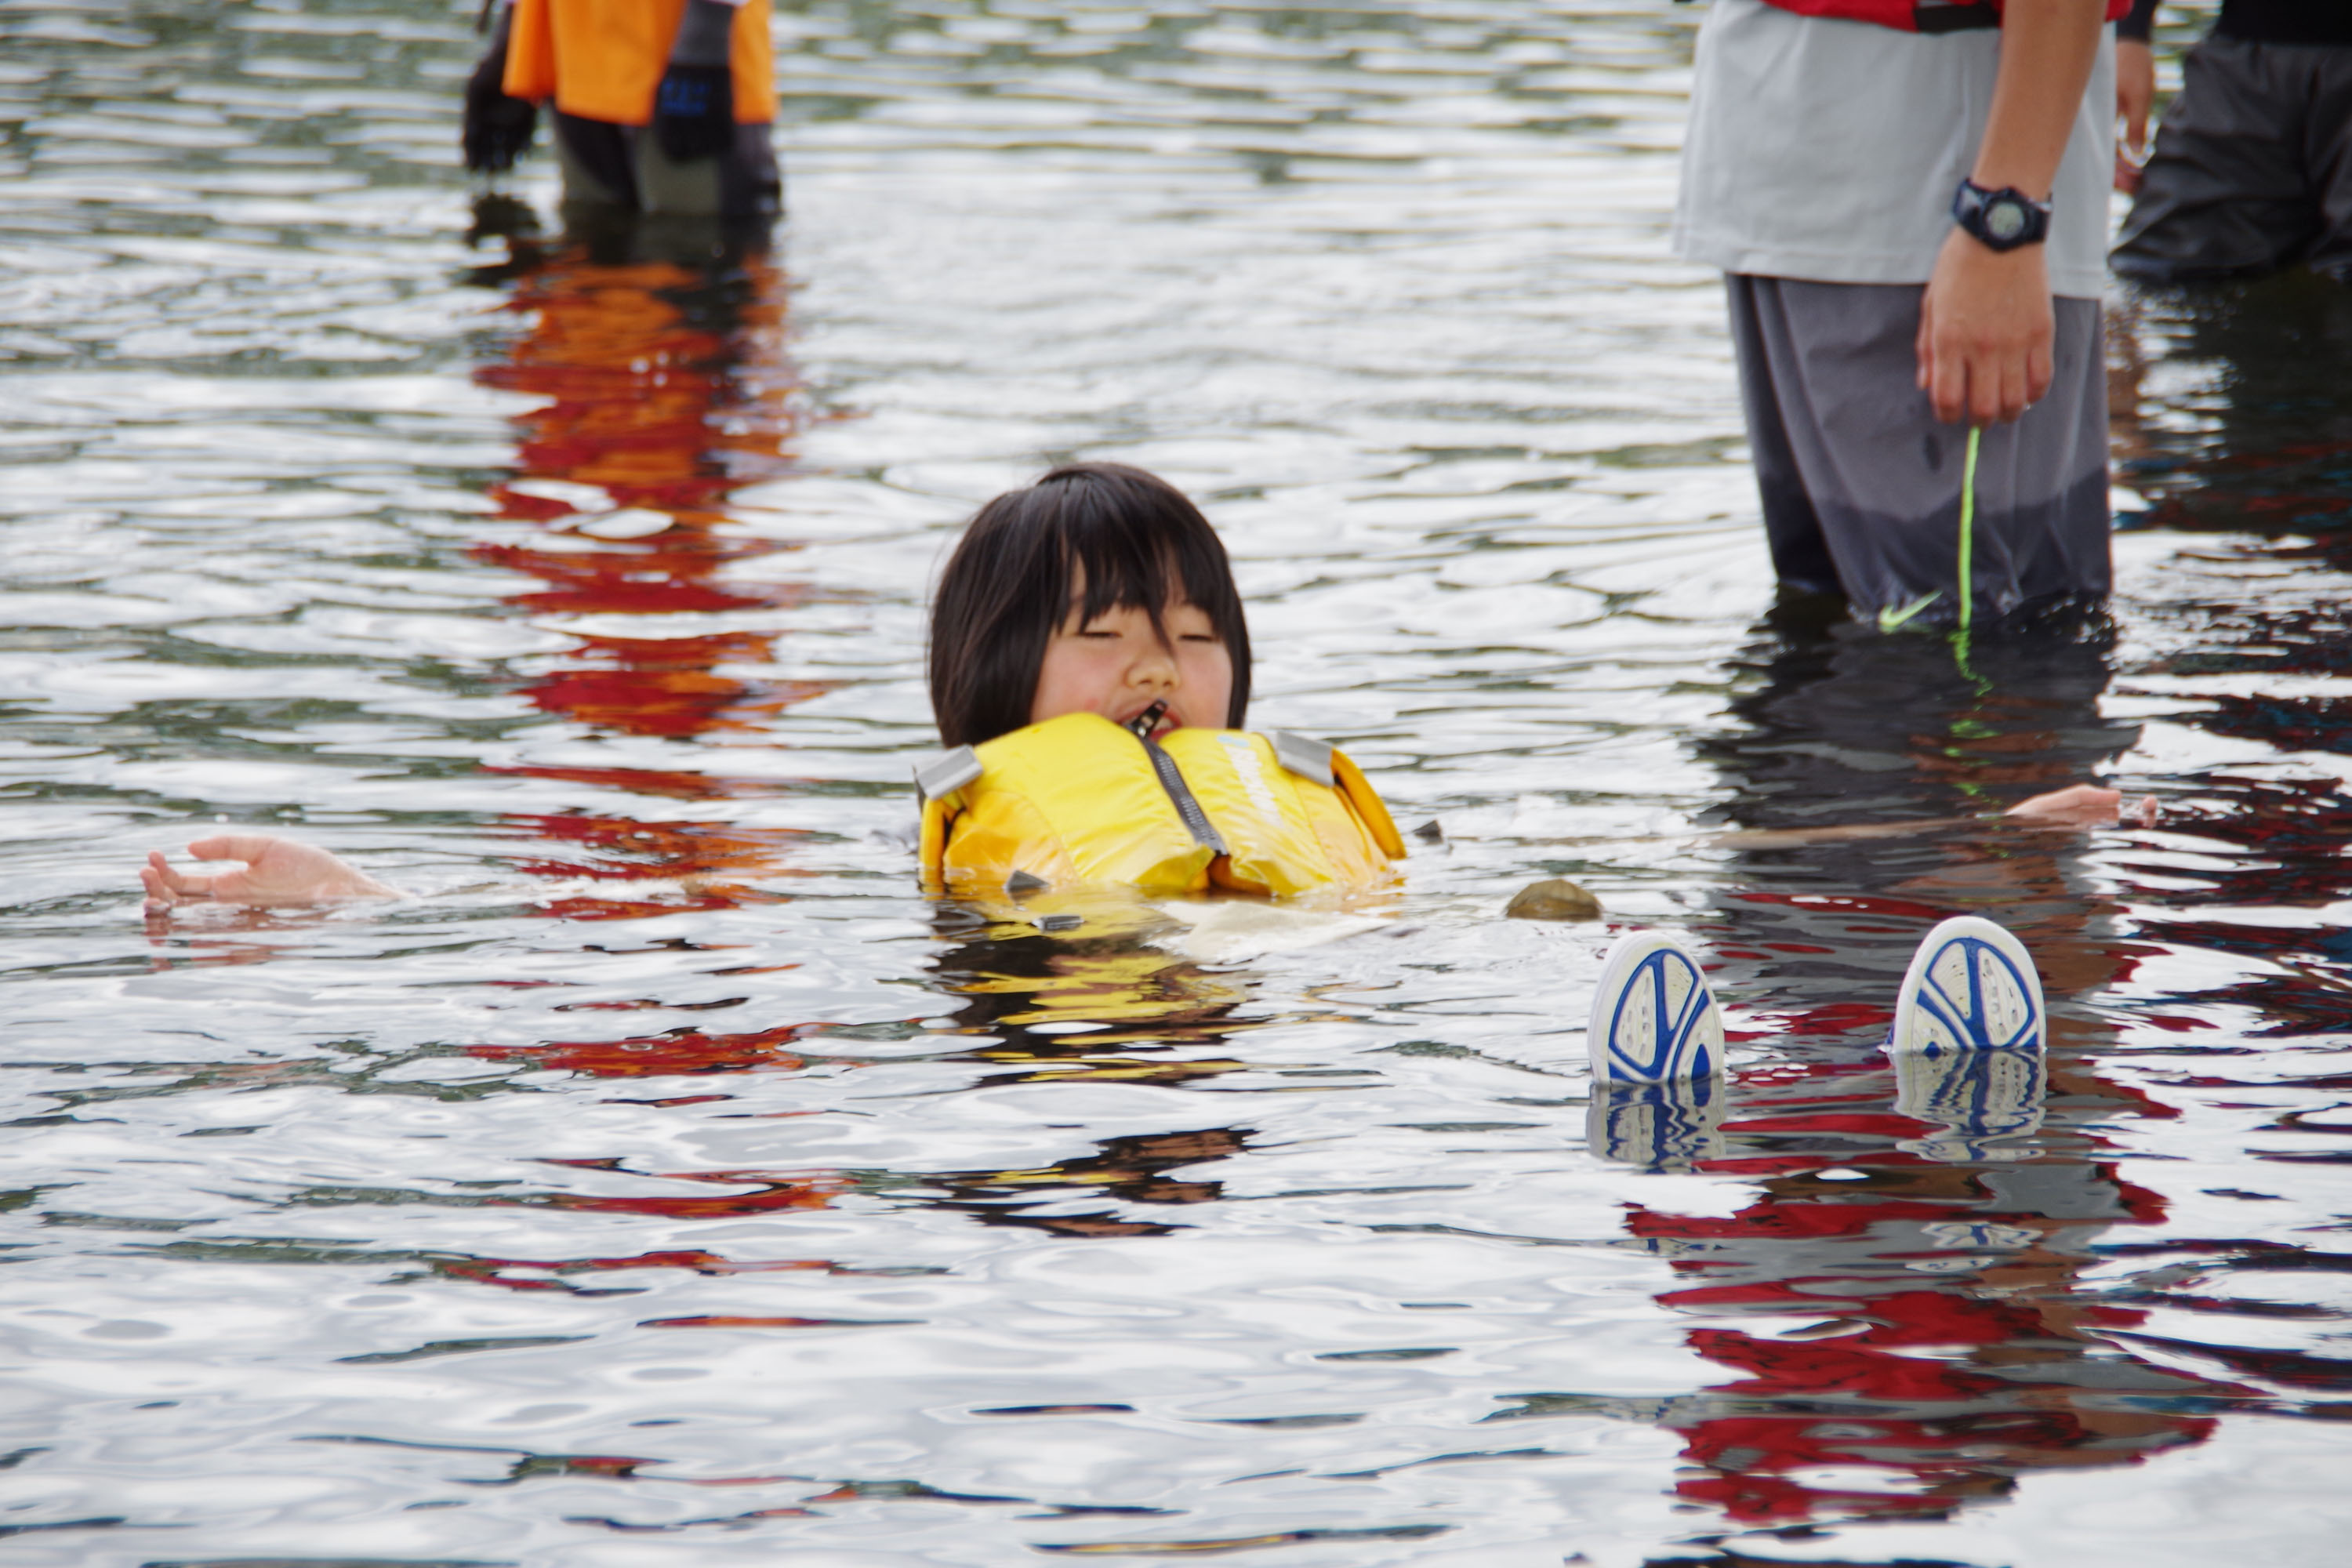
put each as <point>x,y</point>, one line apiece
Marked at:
<point>771,1192</point>
<point>684,1052</point>
<point>665,388</point>
<point>667,686</point>
<point>515,1273</point>
<point>624,849</point>
<point>668,386</point>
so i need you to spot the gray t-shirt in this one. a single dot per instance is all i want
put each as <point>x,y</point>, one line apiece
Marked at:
<point>1829,150</point>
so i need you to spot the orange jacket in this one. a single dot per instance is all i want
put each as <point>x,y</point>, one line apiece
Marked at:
<point>602,59</point>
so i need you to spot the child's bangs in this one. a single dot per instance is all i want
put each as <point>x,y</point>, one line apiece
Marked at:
<point>1146,563</point>
<point>1116,575</point>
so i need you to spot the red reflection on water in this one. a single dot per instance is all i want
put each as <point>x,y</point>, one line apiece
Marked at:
<point>1951,1350</point>
<point>668,687</point>
<point>495,1270</point>
<point>1829,1020</point>
<point>632,851</point>
<point>673,574</point>
<point>770,1193</point>
<point>671,783</point>
<point>664,388</point>
<point>596,909</point>
<point>682,1053</point>
<point>634,381</point>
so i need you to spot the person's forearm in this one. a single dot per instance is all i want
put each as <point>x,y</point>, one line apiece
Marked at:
<point>2047,49</point>
<point>703,32</point>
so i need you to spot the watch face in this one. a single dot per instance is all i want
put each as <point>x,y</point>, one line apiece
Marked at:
<point>2004,219</point>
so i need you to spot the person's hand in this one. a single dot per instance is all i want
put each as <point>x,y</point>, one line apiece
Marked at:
<point>1986,327</point>
<point>277,871</point>
<point>2081,806</point>
<point>2134,97</point>
<point>496,130</point>
<point>694,107</point>
<point>694,111</point>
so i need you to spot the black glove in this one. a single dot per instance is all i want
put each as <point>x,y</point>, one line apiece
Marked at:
<point>694,109</point>
<point>694,113</point>
<point>497,128</point>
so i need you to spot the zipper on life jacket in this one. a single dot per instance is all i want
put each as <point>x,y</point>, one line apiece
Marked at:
<point>1171,779</point>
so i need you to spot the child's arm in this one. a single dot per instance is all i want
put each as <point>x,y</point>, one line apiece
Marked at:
<point>2081,806</point>
<point>1986,325</point>
<point>2076,806</point>
<point>277,871</point>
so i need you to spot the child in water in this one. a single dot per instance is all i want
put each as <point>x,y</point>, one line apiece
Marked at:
<point>1099,590</point>
<point>1089,668</point>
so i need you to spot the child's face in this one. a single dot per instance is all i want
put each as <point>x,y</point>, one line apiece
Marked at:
<point>1117,665</point>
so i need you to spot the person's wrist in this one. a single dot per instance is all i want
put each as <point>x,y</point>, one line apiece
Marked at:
<point>704,34</point>
<point>2000,220</point>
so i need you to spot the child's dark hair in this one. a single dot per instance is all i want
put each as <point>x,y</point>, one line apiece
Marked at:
<point>1007,588</point>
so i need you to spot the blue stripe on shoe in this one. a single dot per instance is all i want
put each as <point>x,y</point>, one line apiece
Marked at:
<point>1675,1052</point>
<point>1966,1018</point>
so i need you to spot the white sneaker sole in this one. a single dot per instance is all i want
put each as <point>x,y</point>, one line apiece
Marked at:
<point>1971,986</point>
<point>1653,1018</point>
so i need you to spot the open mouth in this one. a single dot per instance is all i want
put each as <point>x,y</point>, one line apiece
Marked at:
<point>1154,721</point>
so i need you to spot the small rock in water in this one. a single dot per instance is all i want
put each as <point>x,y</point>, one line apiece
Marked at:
<point>1553,898</point>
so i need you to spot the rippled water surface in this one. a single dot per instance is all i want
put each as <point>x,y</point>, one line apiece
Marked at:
<point>666,1181</point>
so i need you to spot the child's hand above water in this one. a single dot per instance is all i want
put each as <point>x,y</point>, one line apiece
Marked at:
<point>2083,806</point>
<point>277,871</point>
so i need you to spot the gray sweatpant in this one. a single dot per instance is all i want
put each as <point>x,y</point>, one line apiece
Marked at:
<point>1861,485</point>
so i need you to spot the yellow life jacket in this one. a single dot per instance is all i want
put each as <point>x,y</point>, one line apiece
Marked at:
<point>603,59</point>
<point>1079,799</point>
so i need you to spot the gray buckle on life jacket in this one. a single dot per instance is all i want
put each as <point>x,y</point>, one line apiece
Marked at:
<point>1307,759</point>
<point>947,773</point>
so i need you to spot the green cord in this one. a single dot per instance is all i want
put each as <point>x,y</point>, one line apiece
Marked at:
<point>1969,526</point>
<point>1967,563</point>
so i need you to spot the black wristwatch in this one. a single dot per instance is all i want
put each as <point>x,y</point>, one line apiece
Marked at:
<point>2002,220</point>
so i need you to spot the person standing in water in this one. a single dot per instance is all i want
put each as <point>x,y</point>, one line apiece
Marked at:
<point>661,106</point>
<point>2253,167</point>
<point>1908,200</point>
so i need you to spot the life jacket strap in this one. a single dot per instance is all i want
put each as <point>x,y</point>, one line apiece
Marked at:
<point>1310,759</point>
<point>935,780</point>
<point>947,773</point>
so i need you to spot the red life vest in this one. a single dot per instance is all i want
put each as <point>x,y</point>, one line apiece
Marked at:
<point>1918,16</point>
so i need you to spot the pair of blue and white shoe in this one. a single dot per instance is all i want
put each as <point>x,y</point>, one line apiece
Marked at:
<point>1971,987</point>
